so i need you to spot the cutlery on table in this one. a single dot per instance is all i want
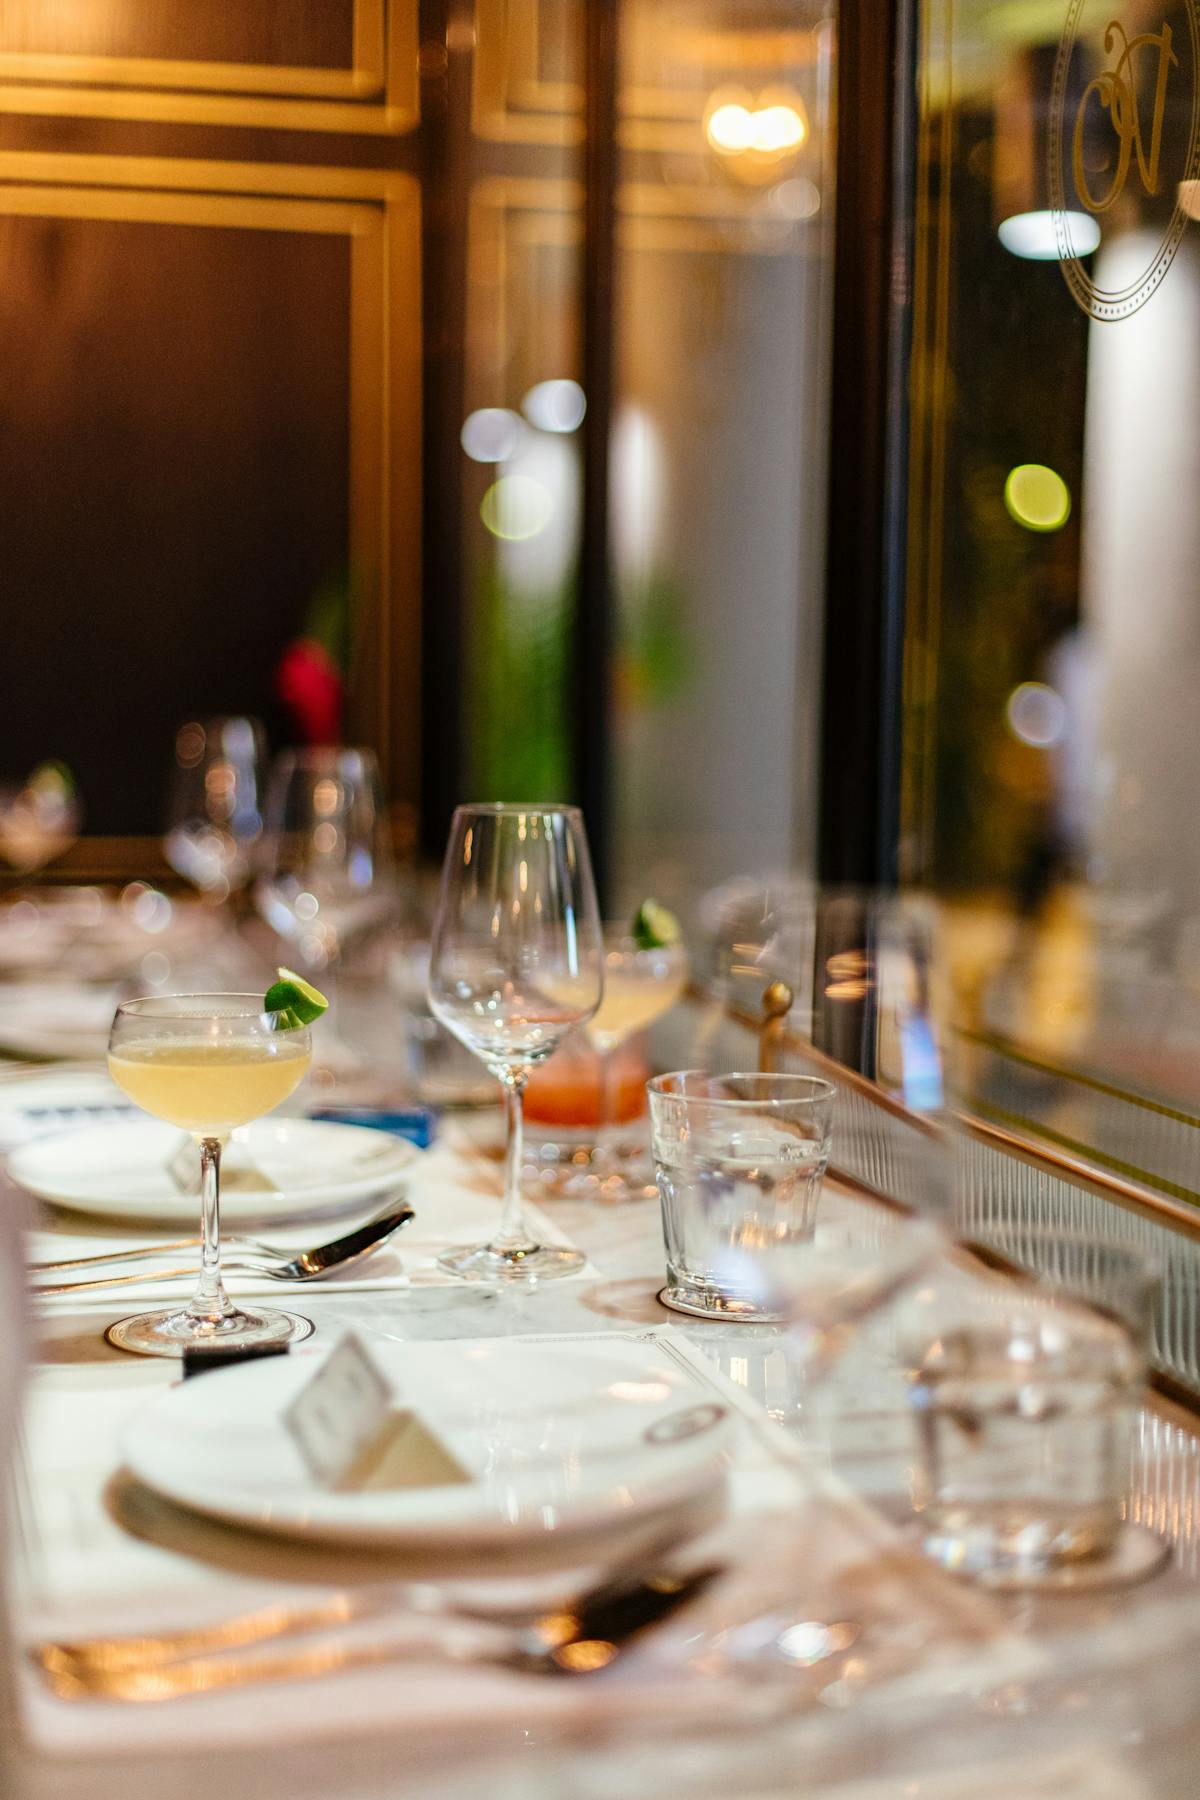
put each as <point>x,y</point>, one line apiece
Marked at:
<point>584,1634</point>
<point>137,1252</point>
<point>308,1265</point>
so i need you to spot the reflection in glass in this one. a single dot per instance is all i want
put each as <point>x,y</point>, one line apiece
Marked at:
<point>215,803</point>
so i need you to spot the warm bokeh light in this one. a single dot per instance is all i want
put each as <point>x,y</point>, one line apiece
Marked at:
<point>776,128</point>
<point>555,405</point>
<point>491,435</point>
<point>1033,235</point>
<point>1037,497</point>
<point>728,128</point>
<point>735,124</point>
<point>516,507</point>
<point>1036,714</point>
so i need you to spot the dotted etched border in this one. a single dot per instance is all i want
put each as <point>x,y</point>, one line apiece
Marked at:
<point>1101,303</point>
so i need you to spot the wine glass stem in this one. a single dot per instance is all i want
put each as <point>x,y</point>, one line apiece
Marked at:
<point>513,1233</point>
<point>210,1301</point>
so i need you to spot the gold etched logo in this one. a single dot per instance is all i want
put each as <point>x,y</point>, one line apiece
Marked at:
<point>1116,90</point>
<point>1140,112</point>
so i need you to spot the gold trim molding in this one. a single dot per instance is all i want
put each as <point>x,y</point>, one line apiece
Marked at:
<point>650,216</point>
<point>377,95</point>
<point>513,103</point>
<point>378,211</point>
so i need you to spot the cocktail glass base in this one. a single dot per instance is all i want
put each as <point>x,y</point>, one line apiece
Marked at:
<point>541,1262</point>
<point>174,1330</point>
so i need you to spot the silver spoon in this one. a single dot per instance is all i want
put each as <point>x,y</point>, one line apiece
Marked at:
<point>309,1265</point>
<point>139,1251</point>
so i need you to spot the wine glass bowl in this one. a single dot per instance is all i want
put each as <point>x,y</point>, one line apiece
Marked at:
<point>215,804</point>
<point>325,859</point>
<point>516,962</point>
<point>206,1063</point>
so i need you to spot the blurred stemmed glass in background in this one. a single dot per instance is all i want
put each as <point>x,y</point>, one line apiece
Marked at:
<point>325,866</point>
<point>40,819</point>
<point>214,808</point>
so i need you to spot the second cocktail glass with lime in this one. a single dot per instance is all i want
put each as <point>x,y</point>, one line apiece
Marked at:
<point>643,979</point>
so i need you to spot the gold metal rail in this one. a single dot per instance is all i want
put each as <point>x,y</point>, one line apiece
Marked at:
<point>771,1030</point>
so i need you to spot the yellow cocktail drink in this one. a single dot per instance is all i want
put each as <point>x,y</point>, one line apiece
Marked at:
<point>209,1087</point>
<point>633,1000</point>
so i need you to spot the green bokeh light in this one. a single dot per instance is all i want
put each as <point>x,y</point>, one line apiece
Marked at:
<point>1037,497</point>
<point>516,507</point>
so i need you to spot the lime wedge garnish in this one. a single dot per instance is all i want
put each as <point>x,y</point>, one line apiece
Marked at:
<point>51,778</point>
<point>295,997</point>
<point>654,928</point>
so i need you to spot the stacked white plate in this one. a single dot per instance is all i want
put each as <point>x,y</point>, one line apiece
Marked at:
<point>553,1439</point>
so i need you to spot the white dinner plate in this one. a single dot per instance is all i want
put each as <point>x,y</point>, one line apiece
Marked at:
<point>553,1437</point>
<point>56,1019</point>
<point>39,1102</point>
<point>271,1170</point>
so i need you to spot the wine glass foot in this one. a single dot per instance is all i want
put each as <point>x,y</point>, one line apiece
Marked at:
<point>540,1262</point>
<point>173,1330</point>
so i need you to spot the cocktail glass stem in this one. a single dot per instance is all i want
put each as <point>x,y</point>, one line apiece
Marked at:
<point>210,1301</point>
<point>513,1236</point>
<point>604,1156</point>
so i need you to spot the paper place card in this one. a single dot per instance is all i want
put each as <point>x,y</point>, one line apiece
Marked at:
<point>354,1438</point>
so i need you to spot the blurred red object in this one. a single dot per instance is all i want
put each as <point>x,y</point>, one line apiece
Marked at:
<point>566,1090</point>
<point>309,683</point>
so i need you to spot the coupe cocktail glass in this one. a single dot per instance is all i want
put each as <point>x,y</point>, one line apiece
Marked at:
<point>206,1063</point>
<point>640,985</point>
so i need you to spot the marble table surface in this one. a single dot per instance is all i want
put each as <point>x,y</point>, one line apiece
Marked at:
<point>857,1419</point>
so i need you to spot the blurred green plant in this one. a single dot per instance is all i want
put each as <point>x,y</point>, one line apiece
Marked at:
<point>520,673</point>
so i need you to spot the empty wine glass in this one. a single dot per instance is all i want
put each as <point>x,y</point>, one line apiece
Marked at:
<point>214,809</point>
<point>517,960</point>
<point>326,860</point>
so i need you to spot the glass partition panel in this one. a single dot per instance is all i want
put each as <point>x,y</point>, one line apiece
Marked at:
<point>724,266</point>
<point>523,400</point>
<point>1052,760</point>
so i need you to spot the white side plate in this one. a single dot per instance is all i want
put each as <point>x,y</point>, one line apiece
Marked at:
<point>275,1168</point>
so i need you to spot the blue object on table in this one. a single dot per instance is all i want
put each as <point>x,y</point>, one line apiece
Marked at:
<point>416,1123</point>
